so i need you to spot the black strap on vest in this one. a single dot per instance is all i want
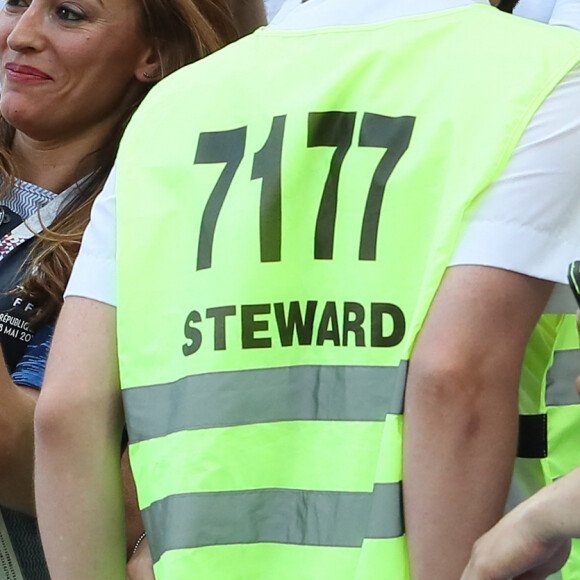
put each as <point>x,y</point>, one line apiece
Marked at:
<point>533,437</point>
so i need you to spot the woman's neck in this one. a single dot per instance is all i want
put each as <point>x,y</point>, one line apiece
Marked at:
<point>53,165</point>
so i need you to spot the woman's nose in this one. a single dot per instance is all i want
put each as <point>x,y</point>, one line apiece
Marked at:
<point>27,32</point>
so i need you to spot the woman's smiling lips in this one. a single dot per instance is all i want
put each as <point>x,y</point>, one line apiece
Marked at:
<point>22,72</point>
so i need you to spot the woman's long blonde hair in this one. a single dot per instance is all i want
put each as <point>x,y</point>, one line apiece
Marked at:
<point>184,31</point>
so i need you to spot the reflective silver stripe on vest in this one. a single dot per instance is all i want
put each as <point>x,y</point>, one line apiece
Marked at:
<point>561,379</point>
<point>283,516</point>
<point>305,393</point>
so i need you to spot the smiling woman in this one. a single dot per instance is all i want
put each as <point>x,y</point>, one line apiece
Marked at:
<point>49,57</point>
<point>72,73</point>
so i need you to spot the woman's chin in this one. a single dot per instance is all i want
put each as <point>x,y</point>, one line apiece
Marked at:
<point>19,110</point>
<point>26,120</point>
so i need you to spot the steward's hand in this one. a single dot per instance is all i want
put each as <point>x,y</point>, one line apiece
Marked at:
<point>140,565</point>
<point>517,548</point>
<point>578,377</point>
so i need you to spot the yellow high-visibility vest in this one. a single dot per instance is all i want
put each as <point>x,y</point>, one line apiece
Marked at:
<point>287,208</point>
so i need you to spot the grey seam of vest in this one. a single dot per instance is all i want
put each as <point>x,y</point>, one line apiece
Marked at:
<point>282,516</point>
<point>561,379</point>
<point>233,398</point>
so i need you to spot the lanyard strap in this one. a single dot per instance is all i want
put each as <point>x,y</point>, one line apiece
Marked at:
<point>35,223</point>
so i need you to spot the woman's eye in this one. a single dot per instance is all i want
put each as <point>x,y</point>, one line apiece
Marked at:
<point>68,14</point>
<point>16,3</point>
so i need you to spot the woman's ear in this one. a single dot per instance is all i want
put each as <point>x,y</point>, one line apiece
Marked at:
<point>149,68</point>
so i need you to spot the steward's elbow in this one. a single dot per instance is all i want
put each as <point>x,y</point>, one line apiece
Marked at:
<point>444,380</point>
<point>57,417</point>
<point>68,412</point>
<point>470,392</point>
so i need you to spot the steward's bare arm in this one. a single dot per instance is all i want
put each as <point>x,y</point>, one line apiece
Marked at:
<point>78,432</point>
<point>534,538</point>
<point>461,412</point>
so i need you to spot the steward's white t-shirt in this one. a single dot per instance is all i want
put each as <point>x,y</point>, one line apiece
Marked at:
<point>558,12</point>
<point>527,222</point>
<point>272,8</point>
